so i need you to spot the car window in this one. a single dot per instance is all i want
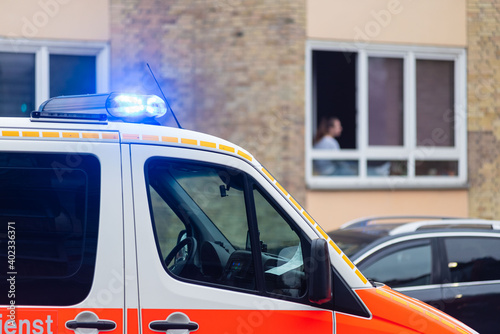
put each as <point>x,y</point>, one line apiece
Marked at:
<point>400,266</point>
<point>284,264</point>
<point>210,223</point>
<point>473,259</point>
<point>49,215</point>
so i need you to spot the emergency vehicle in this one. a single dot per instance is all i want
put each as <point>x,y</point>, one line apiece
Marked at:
<point>109,224</point>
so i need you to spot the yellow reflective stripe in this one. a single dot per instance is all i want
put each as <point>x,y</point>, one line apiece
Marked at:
<point>90,135</point>
<point>109,135</point>
<point>31,134</point>
<point>383,293</point>
<point>462,331</point>
<point>10,133</point>
<point>416,307</point>
<point>208,144</point>
<point>346,260</point>
<point>244,155</point>
<point>268,174</point>
<point>150,137</point>
<point>400,300</point>
<point>226,148</point>
<point>189,141</point>
<point>295,203</point>
<point>362,278</point>
<point>322,232</point>
<point>432,315</point>
<point>71,135</point>
<point>447,323</point>
<point>334,245</point>
<point>309,217</point>
<point>50,134</point>
<point>282,189</point>
<point>129,136</point>
<point>170,139</point>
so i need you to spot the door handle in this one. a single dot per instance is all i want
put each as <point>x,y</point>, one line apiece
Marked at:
<point>101,325</point>
<point>177,321</point>
<point>162,326</point>
<point>86,321</point>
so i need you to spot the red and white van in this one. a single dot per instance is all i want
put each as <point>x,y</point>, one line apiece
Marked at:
<point>120,227</point>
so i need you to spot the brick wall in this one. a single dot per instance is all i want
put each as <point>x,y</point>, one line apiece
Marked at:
<point>483,33</point>
<point>232,68</point>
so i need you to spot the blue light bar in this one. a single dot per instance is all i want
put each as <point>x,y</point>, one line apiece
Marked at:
<point>101,108</point>
<point>135,107</point>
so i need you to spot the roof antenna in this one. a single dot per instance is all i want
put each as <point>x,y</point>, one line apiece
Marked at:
<point>164,98</point>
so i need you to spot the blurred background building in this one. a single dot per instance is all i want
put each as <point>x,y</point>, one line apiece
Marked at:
<point>414,83</point>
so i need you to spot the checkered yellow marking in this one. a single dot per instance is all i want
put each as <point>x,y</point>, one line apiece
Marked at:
<point>170,139</point>
<point>31,134</point>
<point>208,144</point>
<point>189,141</point>
<point>226,148</point>
<point>150,137</point>
<point>10,133</point>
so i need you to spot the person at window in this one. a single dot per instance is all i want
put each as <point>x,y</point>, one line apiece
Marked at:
<point>329,129</point>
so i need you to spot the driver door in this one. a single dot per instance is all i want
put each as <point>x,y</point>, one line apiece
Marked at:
<point>215,250</point>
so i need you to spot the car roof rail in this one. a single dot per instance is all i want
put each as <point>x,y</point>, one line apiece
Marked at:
<point>463,223</point>
<point>365,221</point>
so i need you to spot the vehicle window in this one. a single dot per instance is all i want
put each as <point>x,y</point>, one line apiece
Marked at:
<point>283,263</point>
<point>49,215</point>
<point>402,267</point>
<point>206,229</point>
<point>473,259</point>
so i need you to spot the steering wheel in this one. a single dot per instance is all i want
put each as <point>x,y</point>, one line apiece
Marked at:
<point>181,262</point>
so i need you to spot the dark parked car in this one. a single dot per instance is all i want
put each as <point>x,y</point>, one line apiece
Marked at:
<point>452,264</point>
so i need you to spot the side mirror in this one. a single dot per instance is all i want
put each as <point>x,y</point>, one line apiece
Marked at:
<point>320,273</point>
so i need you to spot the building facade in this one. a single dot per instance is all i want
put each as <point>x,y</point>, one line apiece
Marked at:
<point>416,93</point>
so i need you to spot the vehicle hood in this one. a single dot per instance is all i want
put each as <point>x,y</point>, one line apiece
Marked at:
<point>393,312</point>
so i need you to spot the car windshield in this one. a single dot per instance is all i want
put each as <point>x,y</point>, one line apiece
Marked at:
<point>353,240</point>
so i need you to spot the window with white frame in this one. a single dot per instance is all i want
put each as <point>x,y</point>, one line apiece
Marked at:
<point>402,116</point>
<point>33,71</point>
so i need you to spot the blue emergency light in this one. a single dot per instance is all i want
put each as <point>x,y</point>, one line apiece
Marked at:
<point>101,108</point>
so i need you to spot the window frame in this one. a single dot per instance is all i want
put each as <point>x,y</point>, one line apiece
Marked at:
<point>250,185</point>
<point>42,49</point>
<point>409,152</point>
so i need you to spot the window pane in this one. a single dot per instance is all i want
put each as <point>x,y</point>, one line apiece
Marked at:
<point>387,168</point>
<point>282,254</point>
<point>406,267</point>
<point>54,214</point>
<point>435,95</point>
<point>385,101</point>
<point>200,222</point>
<point>72,75</point>
<point>436,168</point>
<point>335,167</point>
<point>334,92</point>
<point>17,84</point>
<point>473,259</point>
